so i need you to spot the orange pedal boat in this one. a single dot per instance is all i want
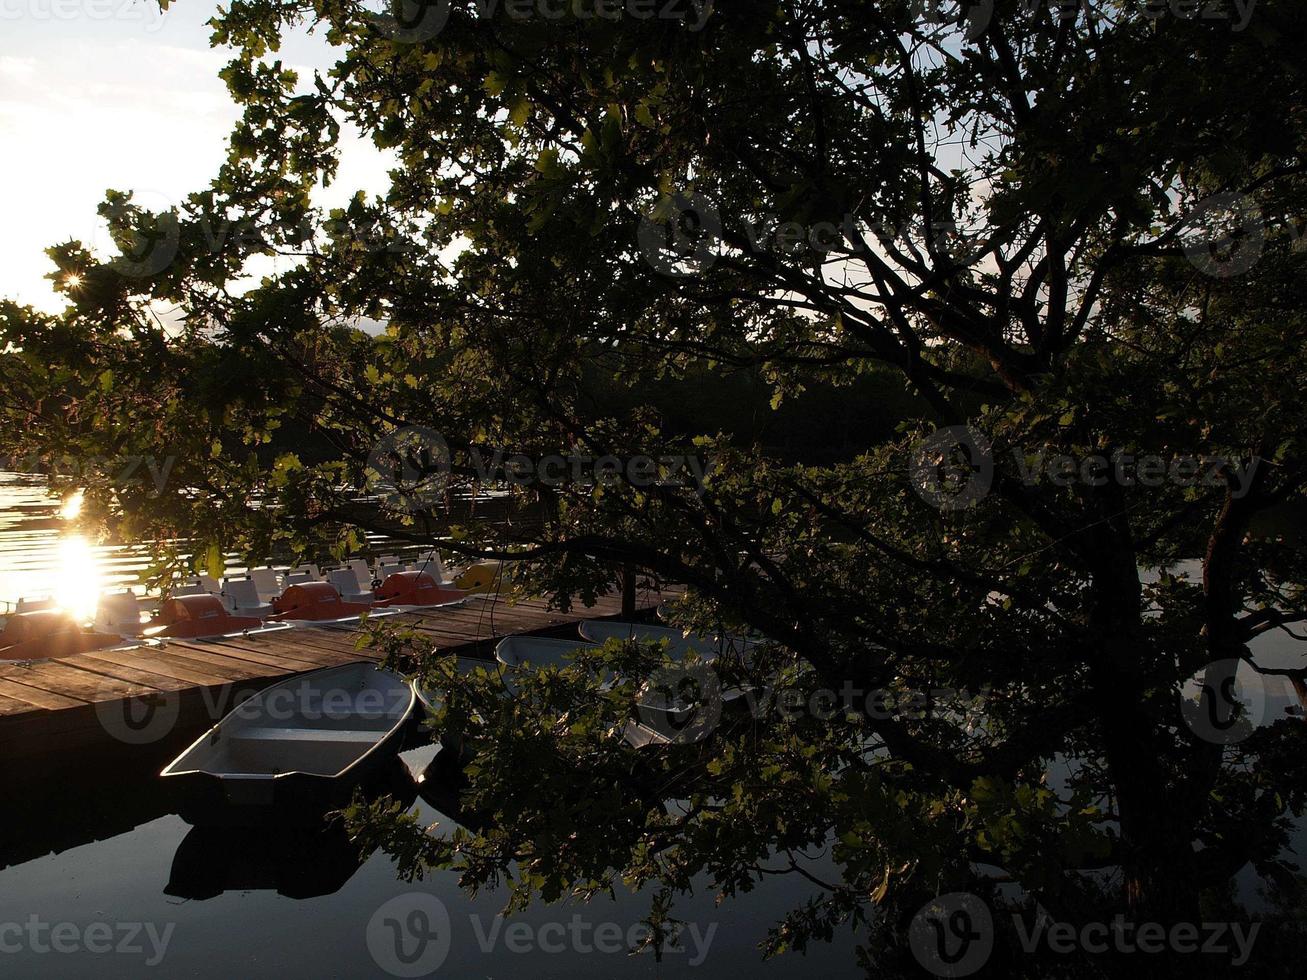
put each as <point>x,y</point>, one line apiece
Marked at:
<point>46,633</point>
<point>315,601</point>
<point>194,617</point>
<point>415,589</point>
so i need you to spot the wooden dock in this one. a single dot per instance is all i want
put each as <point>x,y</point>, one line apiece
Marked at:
<point>150,701</point>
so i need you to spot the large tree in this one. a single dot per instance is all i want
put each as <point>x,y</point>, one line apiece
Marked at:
<point>1069,228</point>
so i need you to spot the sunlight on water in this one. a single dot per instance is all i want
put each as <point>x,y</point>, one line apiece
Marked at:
<point>79,579</point>
<point>42,555</point>
<point>72,507</point>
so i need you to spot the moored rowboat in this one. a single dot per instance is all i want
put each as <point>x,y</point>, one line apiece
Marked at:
<point>294,749</point>
<point>537,651</point>
<point>678,643</point>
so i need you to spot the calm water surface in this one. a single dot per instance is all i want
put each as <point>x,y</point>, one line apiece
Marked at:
<point>154,874</point>
<point>42,553</point>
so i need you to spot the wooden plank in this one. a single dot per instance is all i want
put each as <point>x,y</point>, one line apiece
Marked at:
<point>228,668</point>
<point>37,697</point>
<point>28,733</point>
<point>242,651</point>
<point>224,652</point>
<point>604,606</point>
<point>81,684</point>
<point>159,663</point>
<point>160,682</point>
<point>485,623</point>
<point>13,706</point>
<point>318,641</point>
<point>298,644</point>
<point>540,605</point>
<point>449,626</point>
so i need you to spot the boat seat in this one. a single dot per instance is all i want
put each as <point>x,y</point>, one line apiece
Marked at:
<point>119,612</point>
<point>265,582</point>
<point>433,566</point>
<point>315,601</point>
<point>242,597</point>
<point>198,585</point>
<point>346,583</point>
<point>363,573</point>
<point>308,734</point>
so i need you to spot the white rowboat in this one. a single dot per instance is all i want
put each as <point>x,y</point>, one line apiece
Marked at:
<point>296,747</point>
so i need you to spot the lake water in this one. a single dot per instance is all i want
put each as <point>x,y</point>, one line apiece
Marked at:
<point>175,902</point>
<point>42,553</point>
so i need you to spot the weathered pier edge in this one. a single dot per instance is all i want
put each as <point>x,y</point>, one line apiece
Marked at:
<point>143,705</point>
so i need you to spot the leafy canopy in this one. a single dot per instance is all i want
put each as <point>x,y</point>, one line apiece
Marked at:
<point>1018,220</point>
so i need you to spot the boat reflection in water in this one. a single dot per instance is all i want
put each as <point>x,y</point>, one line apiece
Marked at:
<point>294,861</point>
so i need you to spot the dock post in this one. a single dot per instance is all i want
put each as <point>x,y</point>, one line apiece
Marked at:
<point>628,591</point>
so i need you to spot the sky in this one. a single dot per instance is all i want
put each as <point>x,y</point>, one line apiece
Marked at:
<point>99,94</point>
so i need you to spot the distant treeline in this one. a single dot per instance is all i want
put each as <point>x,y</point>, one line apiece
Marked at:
<point>823,424</point>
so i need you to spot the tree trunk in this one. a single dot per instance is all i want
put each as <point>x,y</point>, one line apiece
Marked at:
<point>1156,817</point>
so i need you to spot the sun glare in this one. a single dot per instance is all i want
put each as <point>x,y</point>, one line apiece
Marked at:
<point>79,583</point>
<point>72,507</point>
<point>72,280</point>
